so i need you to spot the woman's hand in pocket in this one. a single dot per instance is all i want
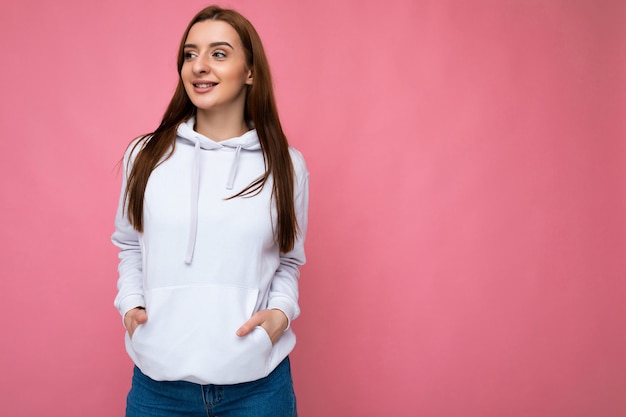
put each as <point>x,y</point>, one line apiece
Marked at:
<point>273,321</point>
<point>133,318</point>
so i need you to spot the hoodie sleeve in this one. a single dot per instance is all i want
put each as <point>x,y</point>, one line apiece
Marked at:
<point>284,287</point>
<point>130,269</point>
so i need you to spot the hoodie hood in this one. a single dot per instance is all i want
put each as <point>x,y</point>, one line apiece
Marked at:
<point>186,135</point>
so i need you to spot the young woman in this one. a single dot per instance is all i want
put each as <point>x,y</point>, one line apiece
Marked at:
<point>210,227</point>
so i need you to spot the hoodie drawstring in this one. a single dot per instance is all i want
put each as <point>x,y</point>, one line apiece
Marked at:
<point>195,192</point>
<point>233,170</point>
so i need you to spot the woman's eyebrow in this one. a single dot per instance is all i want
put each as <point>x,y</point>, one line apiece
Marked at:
<point>212,45</point>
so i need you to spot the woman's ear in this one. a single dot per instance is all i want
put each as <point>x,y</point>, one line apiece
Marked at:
<point>249,79</point>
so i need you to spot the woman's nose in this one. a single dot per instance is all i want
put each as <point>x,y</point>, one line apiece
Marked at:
<point>201,65</point>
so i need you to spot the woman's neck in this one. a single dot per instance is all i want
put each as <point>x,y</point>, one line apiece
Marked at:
<point>219,127</point>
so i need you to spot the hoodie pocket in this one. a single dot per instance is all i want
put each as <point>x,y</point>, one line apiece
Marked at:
<point>190,335</point>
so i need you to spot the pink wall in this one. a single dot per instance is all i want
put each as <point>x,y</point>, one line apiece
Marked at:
<point>467,229</point>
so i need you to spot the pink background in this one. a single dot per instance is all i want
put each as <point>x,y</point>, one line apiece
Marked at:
<point>468,199</point>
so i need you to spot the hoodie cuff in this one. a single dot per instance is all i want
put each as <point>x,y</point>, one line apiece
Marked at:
<point>130,302</point>
<point>286,306</point>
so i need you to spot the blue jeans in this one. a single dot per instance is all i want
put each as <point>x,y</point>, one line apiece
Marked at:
<point>272,396</point>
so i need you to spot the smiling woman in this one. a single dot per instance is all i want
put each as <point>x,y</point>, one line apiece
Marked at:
<point>208,279</point>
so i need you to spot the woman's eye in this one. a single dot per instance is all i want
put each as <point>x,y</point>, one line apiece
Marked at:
<point>219,54</point>
<point>189,55</point>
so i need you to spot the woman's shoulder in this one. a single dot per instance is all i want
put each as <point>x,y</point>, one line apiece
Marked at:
<point>134,147</point>
<point>296,157</point>
<point>299,164</point>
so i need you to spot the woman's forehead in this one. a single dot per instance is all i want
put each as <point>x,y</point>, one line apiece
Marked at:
<point>212,31</point>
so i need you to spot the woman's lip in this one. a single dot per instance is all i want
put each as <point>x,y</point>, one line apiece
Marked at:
<point>204,84</point>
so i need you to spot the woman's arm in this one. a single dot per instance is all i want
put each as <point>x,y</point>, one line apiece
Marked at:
<point>283,298</point>
<point>130,281</point>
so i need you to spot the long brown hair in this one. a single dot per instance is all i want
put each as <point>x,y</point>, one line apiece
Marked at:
<point>260,111</point>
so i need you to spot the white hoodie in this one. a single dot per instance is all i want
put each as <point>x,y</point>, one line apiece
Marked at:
<point>204,264</point>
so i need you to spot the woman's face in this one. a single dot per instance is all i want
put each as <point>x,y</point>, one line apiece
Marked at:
<point>214,71</point>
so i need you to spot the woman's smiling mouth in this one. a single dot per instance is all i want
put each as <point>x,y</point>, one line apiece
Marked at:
<point>204,84</point>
